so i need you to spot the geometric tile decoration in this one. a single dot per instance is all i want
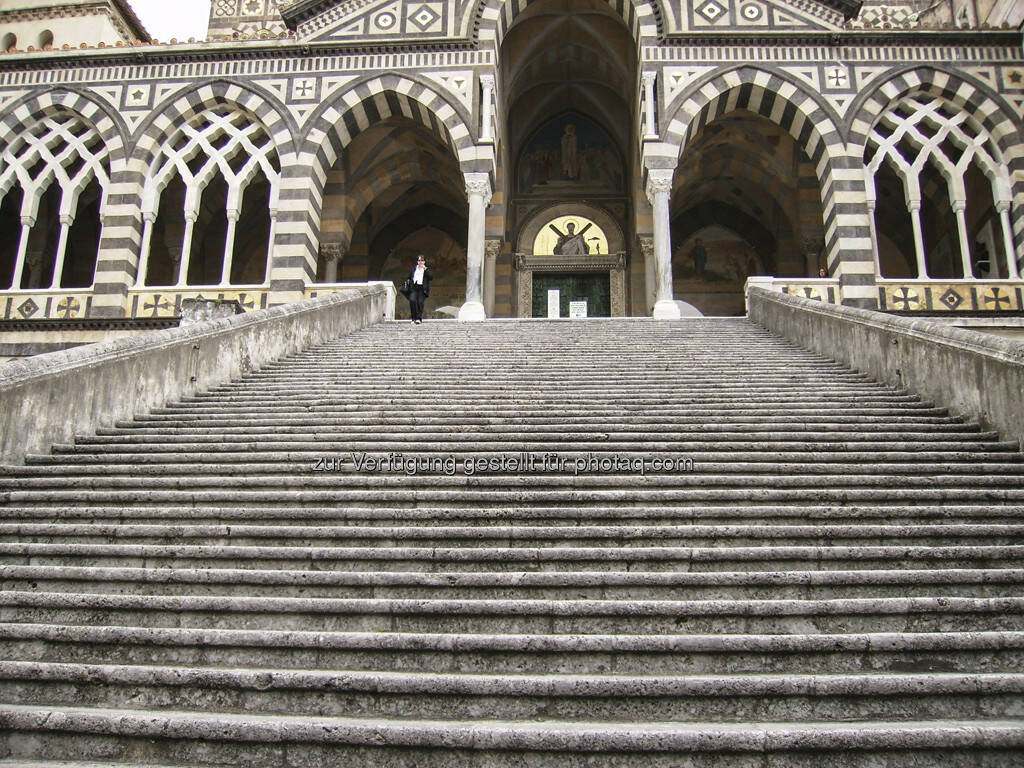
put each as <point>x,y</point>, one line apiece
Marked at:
<point>975,296</point>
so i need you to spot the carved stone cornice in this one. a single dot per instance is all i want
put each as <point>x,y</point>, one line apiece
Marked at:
<point>583,262</point>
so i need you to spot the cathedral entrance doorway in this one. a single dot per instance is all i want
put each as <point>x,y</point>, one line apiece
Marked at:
<point>593,289</point>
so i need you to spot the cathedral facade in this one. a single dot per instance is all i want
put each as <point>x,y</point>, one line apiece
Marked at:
<point>643,157</point>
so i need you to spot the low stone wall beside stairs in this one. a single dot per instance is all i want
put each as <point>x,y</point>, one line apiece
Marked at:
<point>972,374</point>
<point>50,398</point>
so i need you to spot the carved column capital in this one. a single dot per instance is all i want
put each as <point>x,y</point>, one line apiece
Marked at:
<point>648,78</point>
<point>487,81</point>
<point>332,252</point>
<point>659,180</point>
<point>492,247</point>
<point>479,184</point>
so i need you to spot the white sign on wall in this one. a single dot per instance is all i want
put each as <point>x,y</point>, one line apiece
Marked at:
<point>554,300</point>
<point>578,308</point>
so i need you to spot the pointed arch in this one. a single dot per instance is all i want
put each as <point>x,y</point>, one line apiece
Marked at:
<point>56,147</point>
<point>985,108</point>
<point>36,105</point>
<point>182,106</point>
<point>814,126</point>
<point>368,102</point>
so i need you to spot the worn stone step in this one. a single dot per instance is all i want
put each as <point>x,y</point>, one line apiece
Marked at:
<point>468,513</point>
<point>757,558</point>
<point>437,535</point>
<point>519,616</point>
<point>222,739</point>
<point>490,585</point>
<point>350,693</point>
<point>381,495</point>
<point>516,653</point>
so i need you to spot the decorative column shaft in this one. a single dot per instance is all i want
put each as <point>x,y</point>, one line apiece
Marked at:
<point>959,208</point>
<point>648,79</point>
<point>1003,208</point>
<point>914,206</point>
<point>148,219</point>
<point>27,222</point>
<point>186,249</point>
<point>659,187</point>
<point>229,248</point>
<point>332,256</point>
<point>478,189</point>
<point>486,109</point>
<point>62,249</point>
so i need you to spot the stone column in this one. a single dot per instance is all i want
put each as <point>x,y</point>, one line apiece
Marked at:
<point>659,187</point>
<point>1003,209</point>
<point>332,257</point>
<point>914,206</point>
<point>229,248</point>
<point>148,220</point>
<point>186,249</point>
<point>959,208</point>
<point>27,222</point>
<point>486,109</point>
<point>491,248</point>
<point>651,129</point>
<point>62,249</point>
<point>650,283</point>
<point>478,189</point>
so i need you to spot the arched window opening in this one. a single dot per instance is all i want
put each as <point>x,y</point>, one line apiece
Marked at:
<point>200,178</point>
<point>956,191</point>
<point>60,167</point>
<point>41,254</point>
<point>10,234</point>
<point>249,258</point>
<point>84,240</point>
<point>45,39</point>
<point>9,42</point>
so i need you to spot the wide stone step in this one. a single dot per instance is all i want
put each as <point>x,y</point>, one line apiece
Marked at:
<point>351,693</point>
<point>474,558</point>
<point>391,497</point>
<point>518,653</point>
<point>223,739</point>
<point>529,616</point>
<point>350,465</point>
<point>491,585</point>
<point>690,535</point>
<point>468,513</point>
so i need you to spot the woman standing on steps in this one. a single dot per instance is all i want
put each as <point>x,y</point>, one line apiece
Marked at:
<point>419,287</point>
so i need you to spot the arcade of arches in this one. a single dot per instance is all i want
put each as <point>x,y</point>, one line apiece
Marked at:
<point>573,142</point>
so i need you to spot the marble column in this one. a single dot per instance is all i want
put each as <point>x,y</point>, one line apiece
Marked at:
<point>914,207</point>
<point>27,222</point>
<point>649,79</point>
<point>148,220</point>
<point>478,190</point>
<point>332,258</point>
<point>1003,209</point>
<point>229,247</point>
<point>62,249</point>
<point>659,187</point>
<point>491,249</point>
<point>486,109</point>
<point>959,209</point>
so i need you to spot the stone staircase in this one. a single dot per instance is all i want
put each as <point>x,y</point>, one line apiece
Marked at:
<point>717,549</point>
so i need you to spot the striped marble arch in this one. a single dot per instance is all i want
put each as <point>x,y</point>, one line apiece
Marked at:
<point>813,125</point>
<point>985,108</point>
